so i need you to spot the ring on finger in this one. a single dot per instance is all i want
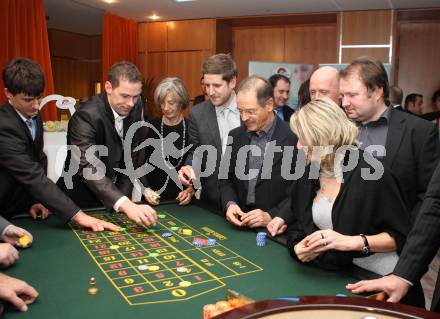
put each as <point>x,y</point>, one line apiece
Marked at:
<point>322,235</point>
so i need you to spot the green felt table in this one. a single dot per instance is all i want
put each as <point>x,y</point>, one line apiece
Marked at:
<point>63,259</point>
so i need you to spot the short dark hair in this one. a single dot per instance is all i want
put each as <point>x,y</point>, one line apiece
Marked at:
<point>396,95</point>
<point>262,88</point>
<point>412,98</point>
<point>435,96</point>
<point>276,77</point>
<point>221,64</point>
<point>304,94</point>
<point>124,70</point>
<point>22,75</point>
<point>372,74</point>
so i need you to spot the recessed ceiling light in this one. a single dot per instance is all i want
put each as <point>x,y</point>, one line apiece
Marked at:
<point>154,17</point>
<point>110,1</point>
<point>184,0</point>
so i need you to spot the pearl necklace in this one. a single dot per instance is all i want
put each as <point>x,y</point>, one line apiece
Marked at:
<point>165,158</point>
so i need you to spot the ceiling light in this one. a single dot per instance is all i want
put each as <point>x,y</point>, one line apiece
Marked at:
<point>154,17</point>
<point>110,1</point>
<point>184,0</point>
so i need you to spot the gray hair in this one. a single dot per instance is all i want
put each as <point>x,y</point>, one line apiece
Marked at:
<point>173,86</point>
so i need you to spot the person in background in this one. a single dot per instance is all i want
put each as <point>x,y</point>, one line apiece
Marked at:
<point>396,97</point>
<point>414,103</point>
<point>172,97</point>
<point>281,93</point>
<point>324,82</point>
<point>202,97</point>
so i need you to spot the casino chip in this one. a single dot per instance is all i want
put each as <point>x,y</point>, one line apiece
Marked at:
<point>153,255</point>
<point>184,283</point>
<point>153,268</point>
<point>182,269</point>
<point>114,247</point>
<point>166,235</point>
<point>161,216</point>
<point>211,242</point>
<point>197,244</point>
<point>261,239</point>
<point>143,267</point>
<point>122,229</point>
<point>174,228</point>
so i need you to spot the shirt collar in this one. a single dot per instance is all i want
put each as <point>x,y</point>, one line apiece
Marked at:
<point>231,105</point>
<point>24,118</point>
<point>383,118</point>
<point>116,115</point>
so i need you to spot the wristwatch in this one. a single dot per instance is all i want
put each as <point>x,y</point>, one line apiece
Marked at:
<point>366,248</point>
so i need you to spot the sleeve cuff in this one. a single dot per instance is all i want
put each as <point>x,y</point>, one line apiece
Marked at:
<point>119,203</point>
<point>405,280</point>
<point>6,229</point>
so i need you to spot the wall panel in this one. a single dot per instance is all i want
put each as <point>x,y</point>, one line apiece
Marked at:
<point>191,35</point>
<point>257,44</point>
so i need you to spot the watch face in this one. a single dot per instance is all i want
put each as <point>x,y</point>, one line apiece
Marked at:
<point>365,250</point>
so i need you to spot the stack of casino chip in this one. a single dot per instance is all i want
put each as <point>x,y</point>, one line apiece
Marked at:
<point>261,239</point>
<point>197,244</point>
<point>211,242</point>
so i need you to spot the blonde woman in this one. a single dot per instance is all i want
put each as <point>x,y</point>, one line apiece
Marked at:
<point>343,215</point>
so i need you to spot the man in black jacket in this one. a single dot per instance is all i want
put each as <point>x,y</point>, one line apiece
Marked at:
<point>422,244</point>
<point>24,185</point>
<point>98,129</point>
<point>281,94</point>
<point>406,144</point>
<point>250,197</point>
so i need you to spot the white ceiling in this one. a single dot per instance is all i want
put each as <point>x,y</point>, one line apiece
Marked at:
<point>85,16</point>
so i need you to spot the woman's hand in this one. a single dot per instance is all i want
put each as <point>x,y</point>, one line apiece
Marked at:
<point>304,253</point>
<point>328,239</point>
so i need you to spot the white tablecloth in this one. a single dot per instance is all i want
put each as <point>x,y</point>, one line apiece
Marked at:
<point>56,154</point>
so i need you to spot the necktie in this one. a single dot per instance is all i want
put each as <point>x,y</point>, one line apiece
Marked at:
<point>31,128</point>
<point>119,125</point>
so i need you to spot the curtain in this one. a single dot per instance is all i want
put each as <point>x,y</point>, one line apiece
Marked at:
<point>23,33</point>
<point>118,41</point>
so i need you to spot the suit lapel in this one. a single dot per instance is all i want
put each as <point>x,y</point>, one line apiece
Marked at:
<point>19,121</point>
<point>396,131</point>
<point>212,126</point>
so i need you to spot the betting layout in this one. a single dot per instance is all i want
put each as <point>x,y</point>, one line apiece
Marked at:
<point>146,266</point>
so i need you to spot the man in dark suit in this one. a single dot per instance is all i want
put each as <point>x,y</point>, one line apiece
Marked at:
<point>281,93</point>
<point>250,197</point>
<point>209,124</point>
<point>421,246</point>
<point>411,144</point>
<point>24,184</point>
<point>104,122</point>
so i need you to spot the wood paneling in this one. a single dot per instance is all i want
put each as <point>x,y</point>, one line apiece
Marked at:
<point>349,54</point>
<point>76,63</point>
<point>419,63</point>
<point>187,67</point>
<point>156,37</point>
<point>223,39</point>
<point>257,44</point>
<point>142,64</point>
<point>310,44</point>
<point>191,35</point>
<point>366,27</point>
<point>74,45</point>
<point>142,37</point>
<point>283,20</point>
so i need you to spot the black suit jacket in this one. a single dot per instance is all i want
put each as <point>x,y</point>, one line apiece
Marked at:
<point>269,192</point>
<point>23,162</point>
<point>362,207</point>
<point>94,124</point>
<point>203,130</point>
<point>287,112</point>
<point>424,240</point>
<point>412,154</point>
